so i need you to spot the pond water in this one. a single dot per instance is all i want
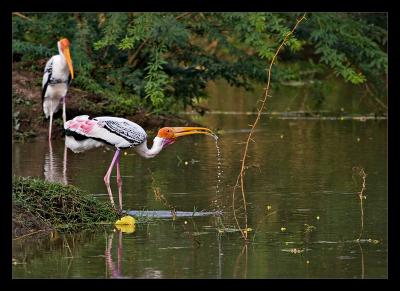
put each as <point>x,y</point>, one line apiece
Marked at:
<point>302,194</point>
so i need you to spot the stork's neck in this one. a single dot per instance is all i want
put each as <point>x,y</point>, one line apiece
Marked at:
<point>147,153</point>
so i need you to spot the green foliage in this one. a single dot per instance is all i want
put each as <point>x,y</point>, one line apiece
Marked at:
<point>163,61</point>
<point>16,122</point>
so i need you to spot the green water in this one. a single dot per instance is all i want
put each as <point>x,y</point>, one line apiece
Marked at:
<point>301,169</point>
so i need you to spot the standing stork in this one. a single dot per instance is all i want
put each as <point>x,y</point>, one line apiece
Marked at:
<point>82,133</point>
<point>57,77</point>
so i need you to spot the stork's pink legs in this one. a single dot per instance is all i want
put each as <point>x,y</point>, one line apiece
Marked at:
<point>64,114</point>
<point>51,122</point>
<point>108,174</point>
<point>119,183</point>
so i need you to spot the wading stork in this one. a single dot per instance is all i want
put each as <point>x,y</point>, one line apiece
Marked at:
<point>83,133</point>
<point>57,77</point>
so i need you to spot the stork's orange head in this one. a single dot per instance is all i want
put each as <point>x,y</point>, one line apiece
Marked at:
<point>64,42</point>
<point>64,47</point>
<point>166,132</point>
<point>169,134</point>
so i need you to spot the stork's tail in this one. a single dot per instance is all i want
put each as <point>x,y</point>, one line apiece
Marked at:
<point>79,118</point>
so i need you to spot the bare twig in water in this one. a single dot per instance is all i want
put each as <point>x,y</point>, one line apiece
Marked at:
<point>249,138</point>
<point>361,196</point>
<point>360,171</point>
<point>160,197</point>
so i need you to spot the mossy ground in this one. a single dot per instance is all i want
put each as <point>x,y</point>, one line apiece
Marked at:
<point>40,205</point>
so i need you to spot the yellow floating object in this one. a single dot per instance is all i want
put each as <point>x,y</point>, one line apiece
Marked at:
<point>126,220</point>
<point>126,224</point>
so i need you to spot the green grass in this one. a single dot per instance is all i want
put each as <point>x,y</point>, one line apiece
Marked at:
<point>63,207</point>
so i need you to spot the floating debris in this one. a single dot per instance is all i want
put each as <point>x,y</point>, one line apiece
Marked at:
<point>293,251</point>
<point>345,258</point>
<point>309,228</point>
<point>126,224</point>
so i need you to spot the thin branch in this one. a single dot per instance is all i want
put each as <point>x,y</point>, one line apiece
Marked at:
<point>263,103</point>
<point>183,15</point>
<point>362,197</point>
<point>29,234</point>
<point>22,15</point>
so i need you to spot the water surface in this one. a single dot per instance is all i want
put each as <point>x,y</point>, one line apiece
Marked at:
<point>303,204</point>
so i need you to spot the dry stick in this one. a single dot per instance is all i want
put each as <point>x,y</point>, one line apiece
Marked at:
<point>22,15</point>
<point>263,103</point>
<point>160,197</point>
<point>361,196</point>
<point>31,233</point>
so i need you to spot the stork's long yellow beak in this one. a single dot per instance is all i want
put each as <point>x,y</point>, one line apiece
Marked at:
<point>69,61</point>
<point>182,131</point>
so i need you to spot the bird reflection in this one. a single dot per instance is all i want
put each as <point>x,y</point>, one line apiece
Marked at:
<point>116,270</point>
<point>53,170</point>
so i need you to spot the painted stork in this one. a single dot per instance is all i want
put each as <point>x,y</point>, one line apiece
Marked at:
<point>57,77</point>
<point>83,133</point>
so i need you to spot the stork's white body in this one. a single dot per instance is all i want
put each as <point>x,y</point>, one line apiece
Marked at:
<point>55,92</point>
<point>55,83</point>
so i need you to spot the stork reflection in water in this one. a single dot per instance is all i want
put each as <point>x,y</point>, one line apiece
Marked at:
<point>53,170</point>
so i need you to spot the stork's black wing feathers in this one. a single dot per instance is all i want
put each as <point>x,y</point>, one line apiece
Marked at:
<point>69,79</point>
<point>126,131</point>
<point>47,77</point>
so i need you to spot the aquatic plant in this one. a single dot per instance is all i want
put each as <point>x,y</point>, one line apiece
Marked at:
<point>63,207</point>
<point>240,178</point>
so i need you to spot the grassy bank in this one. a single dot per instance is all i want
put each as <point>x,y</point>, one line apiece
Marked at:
<point>39,206</point>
